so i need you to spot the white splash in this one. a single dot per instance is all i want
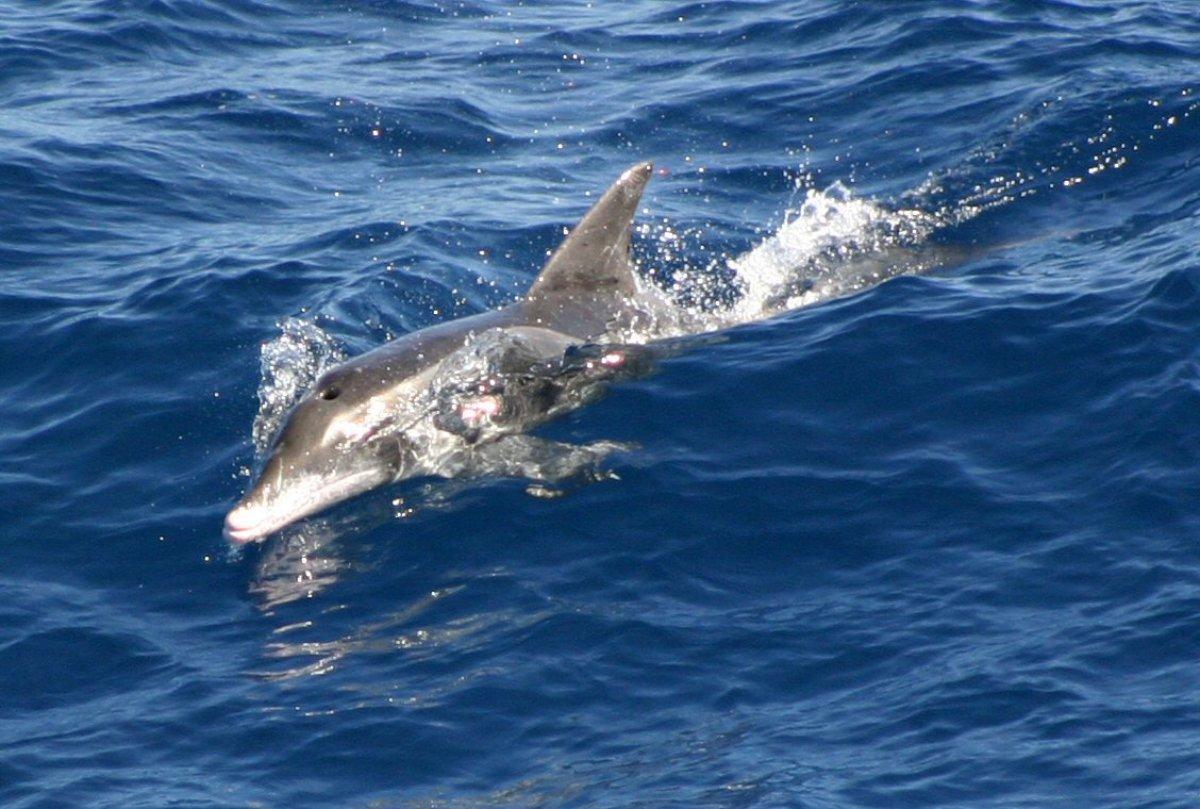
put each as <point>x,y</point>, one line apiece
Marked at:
<point>290,365</point>
<point>817,253</point>
<point>833,244</point>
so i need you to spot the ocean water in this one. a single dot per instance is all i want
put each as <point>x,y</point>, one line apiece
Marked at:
<point>910,541</point>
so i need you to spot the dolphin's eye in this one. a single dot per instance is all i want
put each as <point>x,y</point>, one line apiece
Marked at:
<point>330,393</point>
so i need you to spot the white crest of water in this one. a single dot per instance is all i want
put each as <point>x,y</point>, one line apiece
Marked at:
<point>811,257</point>
<point>291,364</point>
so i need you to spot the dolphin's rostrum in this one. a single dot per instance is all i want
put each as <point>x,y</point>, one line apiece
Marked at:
<point>387,414</point>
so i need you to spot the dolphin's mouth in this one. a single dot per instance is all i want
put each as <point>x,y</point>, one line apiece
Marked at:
<point>248,523</point>
<point>252,520</point>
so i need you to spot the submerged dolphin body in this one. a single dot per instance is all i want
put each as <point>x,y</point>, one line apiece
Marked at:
<point>400,410</point>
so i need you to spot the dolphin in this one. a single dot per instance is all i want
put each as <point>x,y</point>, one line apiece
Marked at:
<point>406,408</point>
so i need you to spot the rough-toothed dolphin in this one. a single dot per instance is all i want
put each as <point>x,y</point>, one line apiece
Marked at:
<point>386,415</point>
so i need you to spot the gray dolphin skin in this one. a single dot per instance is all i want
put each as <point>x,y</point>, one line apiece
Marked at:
<point>385,415</point>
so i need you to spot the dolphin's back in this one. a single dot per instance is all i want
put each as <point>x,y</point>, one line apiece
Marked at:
<point>409,356</point>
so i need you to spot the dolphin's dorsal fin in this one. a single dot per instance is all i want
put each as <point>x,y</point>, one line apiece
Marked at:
<point>594,258</point>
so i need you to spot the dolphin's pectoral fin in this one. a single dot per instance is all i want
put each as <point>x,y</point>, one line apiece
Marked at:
<point>594,258</point>
<point>544,461</point>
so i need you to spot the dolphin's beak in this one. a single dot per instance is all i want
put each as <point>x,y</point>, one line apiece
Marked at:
<point>277,500</point>
<point>256,515</point>
<point>247,523</point>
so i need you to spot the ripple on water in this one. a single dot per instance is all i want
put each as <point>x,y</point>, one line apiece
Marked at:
<point>930,542</point>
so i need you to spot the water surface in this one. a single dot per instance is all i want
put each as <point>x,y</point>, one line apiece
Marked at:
<point>930,542</point>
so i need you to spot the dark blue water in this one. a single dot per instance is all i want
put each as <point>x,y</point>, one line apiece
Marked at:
<point>935,543</point>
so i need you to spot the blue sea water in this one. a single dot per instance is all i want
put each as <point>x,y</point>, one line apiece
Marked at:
<point>928,542</point>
